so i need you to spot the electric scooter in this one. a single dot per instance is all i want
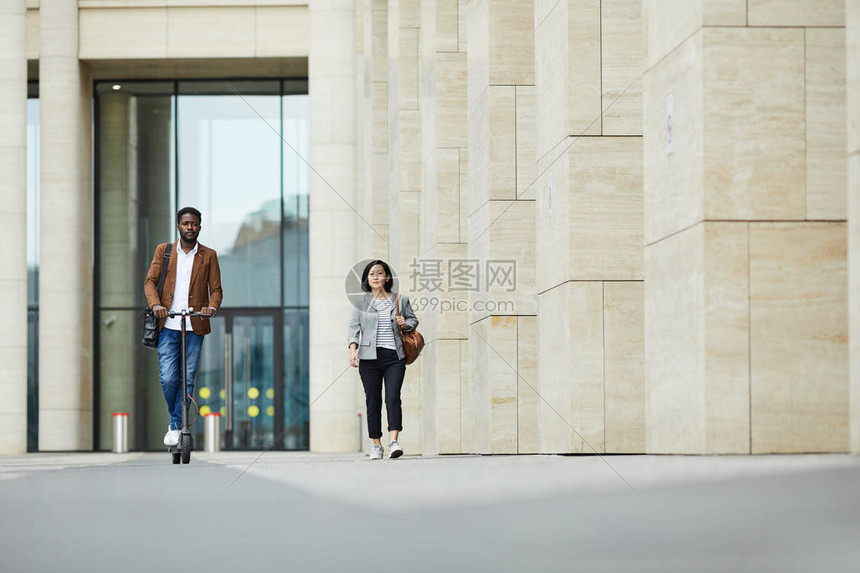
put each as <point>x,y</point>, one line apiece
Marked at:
<point>182,451</point>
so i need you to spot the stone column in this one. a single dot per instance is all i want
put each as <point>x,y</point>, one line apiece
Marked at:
<point>745,259</point>
<point>589,226</point>
<point>443,217</point>
<point>374,132</point>
<point>363,121</point>
<point>852,37</point>
<point>502,402</point>
<point>334,386</point>
<point>66,234</point>
<point>404,179</point>
<point>13,255</point>
<point>372,146</point>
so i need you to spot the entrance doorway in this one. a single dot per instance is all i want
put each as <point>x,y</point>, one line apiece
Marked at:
<point>239,160</point>
<point>241,377</point>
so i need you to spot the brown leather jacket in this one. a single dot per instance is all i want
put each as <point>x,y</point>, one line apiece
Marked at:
<point>204,290</point>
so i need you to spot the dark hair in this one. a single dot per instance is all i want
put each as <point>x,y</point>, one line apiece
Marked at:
<point>389,284</point>
<point>188,211</point>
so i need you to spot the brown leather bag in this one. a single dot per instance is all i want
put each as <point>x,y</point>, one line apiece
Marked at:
<point>413,342</point>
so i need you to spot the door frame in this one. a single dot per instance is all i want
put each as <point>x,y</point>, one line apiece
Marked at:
<point>277,315</point>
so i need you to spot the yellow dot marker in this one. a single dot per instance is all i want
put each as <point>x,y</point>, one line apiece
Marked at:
<point>223,411</point>
<point>253,393</point>
<point>204,410</point>
<point>205,392</point>
<point>270,411</point>
<point>270,393</point>
<point>223,394</point>
<point>253,411</point>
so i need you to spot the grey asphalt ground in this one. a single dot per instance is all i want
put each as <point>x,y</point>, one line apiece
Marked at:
<point>305,512</point>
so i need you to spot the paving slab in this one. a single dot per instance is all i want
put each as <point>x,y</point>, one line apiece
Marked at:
<point>416,481</point>
<point>307,512</point>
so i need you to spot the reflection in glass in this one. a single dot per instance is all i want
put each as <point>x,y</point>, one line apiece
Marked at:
<point>118,334</point>
<point>32,154</point>
<point>209,385</point>
<point>296,376</point>
<point>296,194</point>
<point>253,377</point>
<point>32,380</point>
<point>134,214</point>
<point>230,170</point>
<point>32,202</point>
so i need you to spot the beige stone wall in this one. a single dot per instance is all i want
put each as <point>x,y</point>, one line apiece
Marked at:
<point>589,217</point>
<point>852,43</point>
<point>691,300</point>
<point>444,136</point>
<point>745,232</point>
<point>138,29</point>
<point>502,406</point>
<point>373,133</point>
<point>404,179</point>
<point>13,235</point>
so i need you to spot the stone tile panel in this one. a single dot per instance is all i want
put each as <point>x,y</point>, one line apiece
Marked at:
<point>798,337</point>
<point>624,366</point>
<point>826,125</point>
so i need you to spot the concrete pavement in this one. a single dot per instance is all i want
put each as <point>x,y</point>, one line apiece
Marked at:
<point>308,512</point>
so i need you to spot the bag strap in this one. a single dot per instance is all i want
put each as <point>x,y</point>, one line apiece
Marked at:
<point>397,305</point>
<point>164,262</point>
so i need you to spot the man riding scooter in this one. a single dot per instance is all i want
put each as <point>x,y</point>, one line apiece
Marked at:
<point>192,280</point>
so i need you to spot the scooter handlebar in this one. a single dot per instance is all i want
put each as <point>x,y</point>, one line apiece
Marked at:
<point>190,313</point>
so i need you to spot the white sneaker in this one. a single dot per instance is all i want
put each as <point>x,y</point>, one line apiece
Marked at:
<point>376,453</point>
<point>171,438</point>
<point>394,449</point>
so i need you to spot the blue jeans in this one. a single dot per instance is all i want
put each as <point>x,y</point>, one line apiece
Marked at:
<point>169,354</point>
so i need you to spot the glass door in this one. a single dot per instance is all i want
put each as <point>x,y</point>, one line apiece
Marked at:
<point>255,381</point>
<point>241,377</point>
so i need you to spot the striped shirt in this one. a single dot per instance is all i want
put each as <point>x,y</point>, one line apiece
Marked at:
<point>384,331</point>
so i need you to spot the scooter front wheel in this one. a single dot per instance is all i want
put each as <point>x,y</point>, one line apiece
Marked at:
<point>186,445</point>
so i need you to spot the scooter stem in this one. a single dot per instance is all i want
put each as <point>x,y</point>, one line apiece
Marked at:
<point>184,366</point>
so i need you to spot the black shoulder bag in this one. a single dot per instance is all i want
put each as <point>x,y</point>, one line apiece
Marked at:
<point>150,321</point>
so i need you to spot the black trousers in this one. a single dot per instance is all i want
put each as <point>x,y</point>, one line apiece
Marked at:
<point>391,369</point>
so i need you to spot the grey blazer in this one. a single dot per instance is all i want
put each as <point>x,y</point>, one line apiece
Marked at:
<point>362,326</point>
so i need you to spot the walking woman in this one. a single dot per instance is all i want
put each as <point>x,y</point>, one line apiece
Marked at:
<point>376,349</point>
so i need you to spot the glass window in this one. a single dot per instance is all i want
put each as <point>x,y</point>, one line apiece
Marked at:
<point>32,154</point>
<point>32,202</point>
<point>32,380</point>
<point>165,145</point>
<point>135,186</point>
<point>229,169</point>
<point>135,172</point>
<point>296,376</point>
<point>296,194</point>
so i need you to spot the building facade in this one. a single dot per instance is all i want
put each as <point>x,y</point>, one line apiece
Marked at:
<point>626,226</point>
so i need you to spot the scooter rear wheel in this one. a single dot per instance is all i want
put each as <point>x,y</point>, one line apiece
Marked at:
<point>186,445</point>
<point>175,456</point>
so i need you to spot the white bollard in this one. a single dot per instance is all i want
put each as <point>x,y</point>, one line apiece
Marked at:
<point>120,432</point>
<point>212,432</point>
